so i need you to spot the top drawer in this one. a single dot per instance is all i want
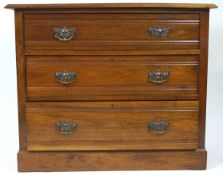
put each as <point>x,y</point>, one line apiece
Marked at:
<point>111,32</point>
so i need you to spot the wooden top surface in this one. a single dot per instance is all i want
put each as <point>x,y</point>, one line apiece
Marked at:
<point>111,5</point>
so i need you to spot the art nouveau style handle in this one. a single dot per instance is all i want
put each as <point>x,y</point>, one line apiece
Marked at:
<point>158,77</point>
<point>64,34</point>
<point>158,127</point>
<point>159,32</point>
<point>65,78</point>
<point>66,127</point>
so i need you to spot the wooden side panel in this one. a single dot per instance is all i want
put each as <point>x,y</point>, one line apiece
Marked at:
<point>116,160</point>
<point>20,61</point>
<point>202,76</point>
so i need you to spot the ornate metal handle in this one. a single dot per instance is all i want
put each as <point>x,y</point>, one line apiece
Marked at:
<point>159,32</point>
<point>66,127</point>
<point>65,78</point>
<point>158,77</point>
<point>64,34</point>
<point>158,127</point>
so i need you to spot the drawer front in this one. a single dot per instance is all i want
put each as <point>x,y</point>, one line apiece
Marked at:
<point>114,78</point>
<point>95,32</point>
<point>112,126</point>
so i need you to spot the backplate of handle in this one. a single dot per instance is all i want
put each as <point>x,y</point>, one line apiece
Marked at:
<point>159,32</point>
<point>66,127</point>
<point>64,33</point>
<point>158,127</point>
<point>158,77</point>
<point>65,78</point>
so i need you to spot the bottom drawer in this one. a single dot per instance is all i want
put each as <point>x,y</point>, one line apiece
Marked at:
<point>112,125</point>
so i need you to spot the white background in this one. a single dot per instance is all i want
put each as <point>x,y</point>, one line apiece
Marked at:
<point>8,91</point>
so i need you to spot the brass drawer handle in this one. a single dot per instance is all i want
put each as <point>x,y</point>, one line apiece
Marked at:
<point>66,127</point>
<point>159,127</point>
<point>65,78</point>
<point>159,32</point>
<point>64,34</point>
<point>158,77</point>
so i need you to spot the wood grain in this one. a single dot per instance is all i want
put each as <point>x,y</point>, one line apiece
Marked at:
<point>113,53</point>
<point>112,31</point>
<point>111,27</point>
<point>20,63</point>
<point>115,160</point>
<point>112,5</point>
<point>112,99</point>
<point>126,17</point>
<point>115,11</point>
<point>122,75</point>
<point>111,128</point>
<point>112,45</point>
<point>202,75</point>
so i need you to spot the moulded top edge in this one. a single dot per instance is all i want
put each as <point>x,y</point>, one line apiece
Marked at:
<point>111,5</point>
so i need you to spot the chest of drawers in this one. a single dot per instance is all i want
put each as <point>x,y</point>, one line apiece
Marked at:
<point>111,86</point>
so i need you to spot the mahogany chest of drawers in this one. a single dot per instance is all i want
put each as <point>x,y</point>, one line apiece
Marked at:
<point>111,86</point>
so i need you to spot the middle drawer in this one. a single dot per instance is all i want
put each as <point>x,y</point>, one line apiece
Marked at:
<point>111,77</point>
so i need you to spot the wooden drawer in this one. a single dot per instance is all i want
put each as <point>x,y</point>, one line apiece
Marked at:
<point>112,125</point>
<point>111,78</point>
<point>111,32</point>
